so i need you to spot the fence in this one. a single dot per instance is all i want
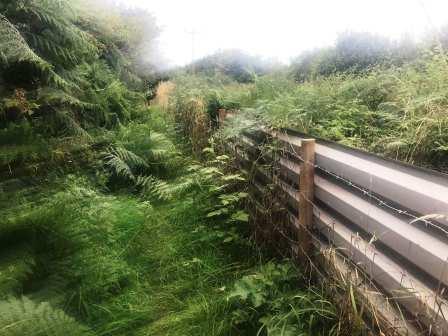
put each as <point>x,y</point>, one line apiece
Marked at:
<point>377,224</point>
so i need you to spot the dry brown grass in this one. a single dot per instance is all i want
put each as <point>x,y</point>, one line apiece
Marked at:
<point>197,123</point>
<point>163,94</point>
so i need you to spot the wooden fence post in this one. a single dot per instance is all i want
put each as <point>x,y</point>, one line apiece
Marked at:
<point>306,197</point>
<point>222,114</point>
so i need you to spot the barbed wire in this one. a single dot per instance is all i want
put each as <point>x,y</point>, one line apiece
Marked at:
<point>440,288</point>
<point>354,237</point>
<point>363,267</point>
<point>367,193</point>
<point>282,184</point>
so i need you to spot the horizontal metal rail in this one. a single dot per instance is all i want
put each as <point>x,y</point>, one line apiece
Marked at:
<point>369,200</point>
<point>419,247</point>
<point>416,297</point>
<point>419,190</point>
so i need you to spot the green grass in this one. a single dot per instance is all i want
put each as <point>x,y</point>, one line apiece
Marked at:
<point>121,265</point>
<point>188,272</point>
<point>397,112</point>
<point>99,255</point>
<point>117,263</point>
<point>106,228</point>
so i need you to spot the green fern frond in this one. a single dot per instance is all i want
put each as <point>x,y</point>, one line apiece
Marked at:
<point>46,44</point>
<point>71,125</point>
<point>54,97</point>
<point>15,50</point>
<point>123,162</point>
<point>184,184</point>
<point>162,190</point>
<point>155,187</point>
<point>19,317</point>
<point>58,18</point>
<point>119,166</point>
<point>130,157</point>
<point>161,146</point>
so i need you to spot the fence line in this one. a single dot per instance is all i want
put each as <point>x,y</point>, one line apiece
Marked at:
<point>369,212</point>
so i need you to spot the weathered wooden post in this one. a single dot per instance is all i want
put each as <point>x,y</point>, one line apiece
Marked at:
<point>222,114</point>
<point>306,197</point>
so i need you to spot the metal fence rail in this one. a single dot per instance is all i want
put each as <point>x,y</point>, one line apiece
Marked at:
<point>369,210</point>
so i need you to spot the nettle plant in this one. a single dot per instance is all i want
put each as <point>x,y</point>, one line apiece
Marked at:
<point>268,302</point>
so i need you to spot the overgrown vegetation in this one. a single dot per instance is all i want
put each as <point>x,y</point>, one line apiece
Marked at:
<point>397,112</point>
<point>107,227</point>
<point>99,254</point>
<point>64,74</point>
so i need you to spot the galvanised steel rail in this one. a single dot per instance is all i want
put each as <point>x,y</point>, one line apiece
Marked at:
<point>370,210</point>
<point>420,190</point>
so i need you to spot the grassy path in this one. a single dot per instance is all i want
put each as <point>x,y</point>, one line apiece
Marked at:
<point>125,266</point>
<point>86,254</point>
<point>187,272</point>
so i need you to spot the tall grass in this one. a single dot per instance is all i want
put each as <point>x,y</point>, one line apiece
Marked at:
<point>94,255</point>
<point>398,112</point>
<point>195,100</point>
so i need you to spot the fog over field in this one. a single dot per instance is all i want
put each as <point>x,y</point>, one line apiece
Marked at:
<point>282,29</point>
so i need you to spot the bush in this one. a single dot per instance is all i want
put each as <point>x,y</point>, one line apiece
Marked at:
<point>353,52</point>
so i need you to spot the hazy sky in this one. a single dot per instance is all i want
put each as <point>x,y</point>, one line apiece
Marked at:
<point>282,28</point>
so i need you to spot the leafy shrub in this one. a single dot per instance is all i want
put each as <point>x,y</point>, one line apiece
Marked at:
<point>268,299</point>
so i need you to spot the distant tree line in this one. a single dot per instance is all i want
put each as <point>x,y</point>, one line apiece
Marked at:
<point>233,63</point>
<point>357,52</point>
<point>352,52</point>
